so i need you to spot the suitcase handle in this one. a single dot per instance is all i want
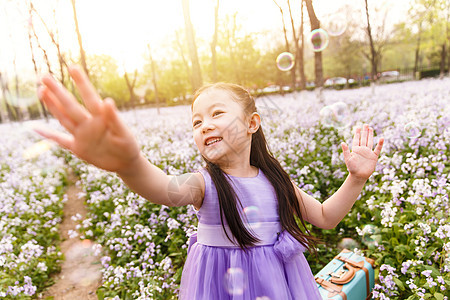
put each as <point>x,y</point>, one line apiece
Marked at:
<point>346,277</point>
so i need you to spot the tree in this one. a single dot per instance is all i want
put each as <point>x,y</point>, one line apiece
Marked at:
<point>286,38</point>
<point>214,43</point>
<point>373,54</point>
<point>301,61</point>
<point>104,74</point>
<point>155,85</point>
<point>131,84</point>
<point>315,24</point>
<point>344,51</point>
<point>197,81</point>
<point>80,42</point>
<point>31,29</point>
<point>54,36</point>
<point>239,60</point>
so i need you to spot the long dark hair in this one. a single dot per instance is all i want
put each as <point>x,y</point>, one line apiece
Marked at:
<point>262,158</point>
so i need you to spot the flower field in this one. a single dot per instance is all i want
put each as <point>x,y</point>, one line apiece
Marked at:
<point>401,219</point>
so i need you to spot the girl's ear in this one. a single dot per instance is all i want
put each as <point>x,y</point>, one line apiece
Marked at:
<point>255,122</point>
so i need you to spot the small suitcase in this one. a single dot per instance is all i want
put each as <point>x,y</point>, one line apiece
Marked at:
<point>347,277</point>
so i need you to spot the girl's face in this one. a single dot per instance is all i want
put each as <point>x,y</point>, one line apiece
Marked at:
<point>221,131</point>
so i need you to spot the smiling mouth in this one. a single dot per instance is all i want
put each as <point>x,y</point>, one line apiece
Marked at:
<point>212,141</point>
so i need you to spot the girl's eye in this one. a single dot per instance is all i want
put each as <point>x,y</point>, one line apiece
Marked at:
<point>196,123</point>
<point>217,113</point>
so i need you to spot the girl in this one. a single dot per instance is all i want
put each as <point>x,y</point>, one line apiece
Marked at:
<point>248,244</point>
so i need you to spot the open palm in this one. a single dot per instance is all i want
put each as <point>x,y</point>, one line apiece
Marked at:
<point>361,161</point>
<point>96,134</point>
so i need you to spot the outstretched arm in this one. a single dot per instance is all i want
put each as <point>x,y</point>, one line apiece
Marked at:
<point>360,163</point>
<point>97,135</point>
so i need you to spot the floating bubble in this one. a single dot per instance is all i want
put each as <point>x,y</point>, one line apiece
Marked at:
<point>253,216</point>
<point>370,235</point>
<point>326,116</point>
<point>336,115</point>
<point>318,39</point>
<point>285,61</point>
<point>412,130</point>
<point>337,25</point>
<point>235,281</point>
<point>262,298</point>
<point>37,149</point>
<point>348,243</point>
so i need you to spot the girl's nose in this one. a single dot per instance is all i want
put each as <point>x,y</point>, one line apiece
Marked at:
<point>207,126</point>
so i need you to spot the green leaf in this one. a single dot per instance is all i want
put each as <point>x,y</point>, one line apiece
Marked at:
<point>434,271</point>
<point>394,241</point>
<point>430,250</point>
<point>399,283</point>
<point>438,296</point>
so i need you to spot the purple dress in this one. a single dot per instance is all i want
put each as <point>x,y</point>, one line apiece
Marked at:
<point>216,269</point>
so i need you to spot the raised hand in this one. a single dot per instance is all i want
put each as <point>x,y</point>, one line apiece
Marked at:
<point>361,161</point>
<point>96,134</point>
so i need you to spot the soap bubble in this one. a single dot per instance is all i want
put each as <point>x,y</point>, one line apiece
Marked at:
<point>235,281</point>
<point>318,39</point>
<point>336,115</point>
<point>337,25</point>
<point>370,235</point>
<point>262,298</point>
<point>285,61</point>
<point>412,130</point>
<point>253,216</point>
<point>348,243</point>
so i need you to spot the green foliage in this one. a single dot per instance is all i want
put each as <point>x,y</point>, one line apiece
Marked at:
<point>104,74</point>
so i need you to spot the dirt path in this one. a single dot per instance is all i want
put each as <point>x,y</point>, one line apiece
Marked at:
<point>80,272</point>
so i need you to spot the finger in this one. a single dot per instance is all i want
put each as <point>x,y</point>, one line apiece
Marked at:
<point>75,111</point>
<point>379,146</point>
<point>112,118</point>
<point>345,151</point>
<point>370,138</point>
<point>356,137</point>
<point>363,140</point>
<point>55,108</point>
<point>87,91</point>
<point>62,139</point>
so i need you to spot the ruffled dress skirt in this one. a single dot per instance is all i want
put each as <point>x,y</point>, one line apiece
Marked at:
<point>271,272</point>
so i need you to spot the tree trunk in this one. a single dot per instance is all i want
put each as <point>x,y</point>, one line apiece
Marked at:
<point>197,81</point>
<point>43,109</point>
<point>294,35</point>
<point>130,86</point>
<point>373,60</point>
<point>315,24</point>
<point>231,37</point>
<point>214,43</point>
<point>286,41</point>
<point>80,43</point>
<point>443,59</point>
<point>12,114</point>
<point>61,60</point>
<point>155,86</point>
<point>185,63</point>
<point>301,61</point>
<point>416,58</point>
